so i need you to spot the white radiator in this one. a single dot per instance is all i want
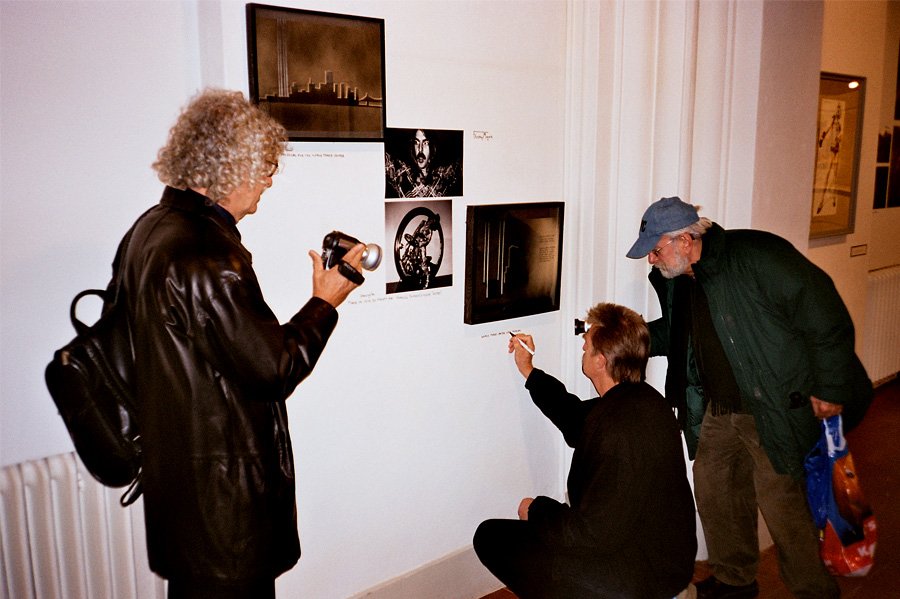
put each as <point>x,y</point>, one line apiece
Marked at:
<point>63,535</point>
<point>881,344</point>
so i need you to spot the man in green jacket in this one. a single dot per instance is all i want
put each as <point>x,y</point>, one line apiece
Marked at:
<point>760,347</point>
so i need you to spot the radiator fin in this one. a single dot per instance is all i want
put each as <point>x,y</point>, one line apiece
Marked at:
<point>881,344</point>
<point>63,535</point>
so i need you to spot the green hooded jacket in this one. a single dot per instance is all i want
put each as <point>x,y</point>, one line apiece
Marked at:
<point>784,329</point>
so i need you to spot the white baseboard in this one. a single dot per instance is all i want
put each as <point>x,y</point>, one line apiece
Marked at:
<point>459,575</point>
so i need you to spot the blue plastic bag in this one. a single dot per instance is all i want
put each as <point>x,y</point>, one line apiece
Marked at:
<point>847,531</point>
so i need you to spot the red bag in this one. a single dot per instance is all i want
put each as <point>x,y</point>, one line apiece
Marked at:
<point>847,531</point>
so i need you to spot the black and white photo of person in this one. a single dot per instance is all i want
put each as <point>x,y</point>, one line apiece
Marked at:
<point>419,255</point>
<point>423,163</point>
<point>828,154</point>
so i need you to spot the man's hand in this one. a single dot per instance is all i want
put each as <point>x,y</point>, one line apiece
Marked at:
<point>523,508</point>
<point>330,285</point>
<point>824,409</point>
<point>522,355</point>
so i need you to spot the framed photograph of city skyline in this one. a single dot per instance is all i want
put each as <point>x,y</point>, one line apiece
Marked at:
<point>319,74</point>
<point>838,138</point>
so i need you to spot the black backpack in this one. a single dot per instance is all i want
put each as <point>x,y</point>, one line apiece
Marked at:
<point>91,381</point>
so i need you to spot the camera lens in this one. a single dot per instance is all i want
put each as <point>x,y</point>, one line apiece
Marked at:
<point>579,327</point>
<point>371,257</point>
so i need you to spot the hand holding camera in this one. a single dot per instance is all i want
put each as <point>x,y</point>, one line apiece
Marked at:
<point>348,254</point>
<point>336,244</point>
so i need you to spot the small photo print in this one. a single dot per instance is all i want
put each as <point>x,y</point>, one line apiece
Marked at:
<point>420,254</point>
<point>423,163</point>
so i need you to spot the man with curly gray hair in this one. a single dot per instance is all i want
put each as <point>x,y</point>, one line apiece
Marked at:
<point>213,364</point>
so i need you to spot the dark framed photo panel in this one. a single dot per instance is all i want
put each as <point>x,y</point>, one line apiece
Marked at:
<point>320,74</point>
<point>513,260</point>
<point>838,142</point>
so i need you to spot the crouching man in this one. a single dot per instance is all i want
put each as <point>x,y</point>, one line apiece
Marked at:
<point>629,527</point>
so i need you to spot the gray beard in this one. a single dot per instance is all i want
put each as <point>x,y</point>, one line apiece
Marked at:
<point>679,268</point>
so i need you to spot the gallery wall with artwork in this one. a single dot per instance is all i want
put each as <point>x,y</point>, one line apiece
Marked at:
<point>862,40</point>
<point>414,426</point>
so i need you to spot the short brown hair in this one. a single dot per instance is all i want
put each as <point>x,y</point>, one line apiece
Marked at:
<point>622,336</point>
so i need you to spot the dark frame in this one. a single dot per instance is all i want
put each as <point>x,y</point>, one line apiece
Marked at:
<point>513,260</point>
<point>892,186</point>
<point>838,143</point>
<point>319,74</point>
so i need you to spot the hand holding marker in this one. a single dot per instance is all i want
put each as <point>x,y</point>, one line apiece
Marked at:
<point>522,343</point>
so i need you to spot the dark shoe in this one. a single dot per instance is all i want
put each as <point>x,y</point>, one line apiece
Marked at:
<point>713,588</point>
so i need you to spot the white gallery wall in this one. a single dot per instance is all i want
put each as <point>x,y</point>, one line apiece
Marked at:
<point>88,92</point>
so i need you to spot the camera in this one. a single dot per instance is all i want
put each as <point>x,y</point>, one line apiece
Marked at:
<point>580,327</point>
<point>336,244</point>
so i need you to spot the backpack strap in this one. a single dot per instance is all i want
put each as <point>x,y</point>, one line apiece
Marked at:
<point>133,491</point>
<point>80,327</point>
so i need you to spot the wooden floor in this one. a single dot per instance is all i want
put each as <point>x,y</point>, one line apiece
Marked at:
<point>875,445</point>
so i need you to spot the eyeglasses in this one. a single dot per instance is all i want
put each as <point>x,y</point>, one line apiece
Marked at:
<point>273,168</point>
<point>656,251</point>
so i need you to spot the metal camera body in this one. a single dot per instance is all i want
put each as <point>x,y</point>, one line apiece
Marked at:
<point>580,327</point>
<point>336,244</point>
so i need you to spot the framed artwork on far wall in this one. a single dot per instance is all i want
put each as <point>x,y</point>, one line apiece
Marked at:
<point>838,137</point>
<point>321,75</point>
<point>513,260</point>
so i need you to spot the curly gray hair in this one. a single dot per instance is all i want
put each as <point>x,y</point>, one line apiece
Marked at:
<point>220,141</point>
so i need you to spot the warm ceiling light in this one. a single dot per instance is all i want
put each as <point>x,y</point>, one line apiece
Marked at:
<point>853,84</point>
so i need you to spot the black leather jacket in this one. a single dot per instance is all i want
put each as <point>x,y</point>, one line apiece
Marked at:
<point>213,369</point>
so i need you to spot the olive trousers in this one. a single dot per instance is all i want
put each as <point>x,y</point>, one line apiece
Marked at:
<point>732,476</point>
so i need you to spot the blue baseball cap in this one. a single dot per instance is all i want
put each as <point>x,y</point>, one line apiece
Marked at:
<point>664,216</point>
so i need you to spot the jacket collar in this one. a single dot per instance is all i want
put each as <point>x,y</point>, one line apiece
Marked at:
<point>191,201</point>
<point>186,199</point>
<point>713,250</point>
